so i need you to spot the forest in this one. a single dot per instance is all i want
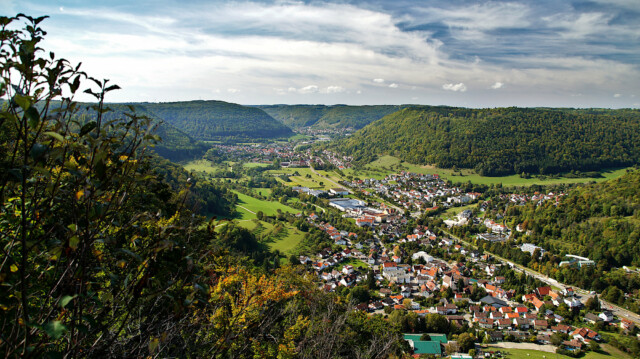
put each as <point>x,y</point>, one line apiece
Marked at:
<point>104,256</point>
<point>322,116</point>
<point>502,141</point>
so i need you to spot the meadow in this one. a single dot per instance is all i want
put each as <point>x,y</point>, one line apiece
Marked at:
<point>388,164</point>
<point>537,354</point>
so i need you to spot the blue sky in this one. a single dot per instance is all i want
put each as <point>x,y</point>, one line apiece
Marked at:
<point>444,52</point>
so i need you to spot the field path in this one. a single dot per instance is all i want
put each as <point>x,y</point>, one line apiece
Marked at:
<point>246,209</point>
<point>527,346</point>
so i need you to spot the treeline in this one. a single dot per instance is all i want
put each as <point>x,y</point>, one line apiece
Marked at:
<point>321,116</point>
<point>502,141</point>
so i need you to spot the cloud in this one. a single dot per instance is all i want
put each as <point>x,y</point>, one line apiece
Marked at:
<point>378,81</point>
<point>335,89</point>
<point>232,90</point>
<point>394,86</point>
<point>617,95</point>
<point>460,87</point>
<point>497,85</point>
<point>308,89</point>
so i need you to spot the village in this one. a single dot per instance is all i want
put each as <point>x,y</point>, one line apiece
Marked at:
<point>428,274</point>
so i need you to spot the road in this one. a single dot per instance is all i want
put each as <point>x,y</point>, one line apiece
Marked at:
<point>584,295</point>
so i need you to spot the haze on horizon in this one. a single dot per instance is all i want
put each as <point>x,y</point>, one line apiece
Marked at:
<point>583,53</point>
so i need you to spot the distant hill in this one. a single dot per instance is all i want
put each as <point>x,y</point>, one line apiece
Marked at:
<point>502,141</point>
<point>321,116</point>
<point>211,120</point>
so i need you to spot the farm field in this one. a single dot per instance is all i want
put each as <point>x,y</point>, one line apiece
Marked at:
<point>389,164</point>
<point>313,181</point>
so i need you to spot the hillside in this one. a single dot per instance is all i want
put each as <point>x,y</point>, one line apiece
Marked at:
<point>599,221</point>
<point>321,116</point>
<point>502,141</point>
<point>210,120</point>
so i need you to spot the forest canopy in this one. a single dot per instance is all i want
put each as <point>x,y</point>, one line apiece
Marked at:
<point>502,141</point>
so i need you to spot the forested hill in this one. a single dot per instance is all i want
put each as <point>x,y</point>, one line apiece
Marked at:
<point>211,120</point>
<point>321,116</point>
<point>502,141</point>
<point>599,221</point>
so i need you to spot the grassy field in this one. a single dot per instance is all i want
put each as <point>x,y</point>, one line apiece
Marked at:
<point>254,164</point>
<point>453,211</point>
<point>263,191</point>
<point>313,181</point>
<point>204,166</point>
<point>536,354</point>
<point>267,207</point>
<point>389,164</point>
<point>356,263</point>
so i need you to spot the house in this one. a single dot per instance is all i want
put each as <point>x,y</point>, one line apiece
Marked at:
<point>626,324</point>
<point>584,334</point>
<point>494,302</point>
<point>591,318</point>
<point>541,292</point>
<point>540,324</point>
<point>521,323</point>
<point>572,344</point>
<point>607,316</point>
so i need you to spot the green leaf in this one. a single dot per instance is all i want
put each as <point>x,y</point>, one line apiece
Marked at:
<point>153,345</point>
<point>23,101</point>
<point>72,227</point>
<point>55,135</point>
<point>87,128</point>
<point>65,300</point>
<point>38,150</point>
<point>55,329</point>
<point>73,242</point>
<point>33,116</point>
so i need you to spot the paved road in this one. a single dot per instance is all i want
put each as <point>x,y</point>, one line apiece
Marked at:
<point>584,295</point>
<point>326,178</point>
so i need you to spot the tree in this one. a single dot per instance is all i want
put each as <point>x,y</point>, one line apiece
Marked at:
<point>425,337</point>
<point>466,342</point>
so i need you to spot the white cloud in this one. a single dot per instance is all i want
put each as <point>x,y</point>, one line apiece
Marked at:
<point>497,85</point>
<point>577,26</point>
<point>231,90</point>
<point>378,81</point>
<point>455,87</point>
<point>617,95</point>
<point>305,90</point>
<point>335,89</point>
<point>394,86</point>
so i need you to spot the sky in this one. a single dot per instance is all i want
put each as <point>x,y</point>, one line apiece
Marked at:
<point>476,53</point>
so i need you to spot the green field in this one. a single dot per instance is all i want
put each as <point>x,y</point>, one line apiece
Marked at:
<point>204,166</point>
<point>453,211</point>
<point>263,191</point>
<point>255,164</point>
<point>269,208</point>
<point>389,164</point>
<point>356,263</point>
<point>314,182</point>
<point>536,354</point>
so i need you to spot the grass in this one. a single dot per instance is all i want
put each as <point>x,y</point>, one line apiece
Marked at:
<point>204,166</point>
<point>389,164</point>
<point>453,211</point>
<point>263,191</point>
<point>313,181</point>
<point>269,208</point>
<point>356,263</point>
<point>536,354</point>
<point>255,164</point>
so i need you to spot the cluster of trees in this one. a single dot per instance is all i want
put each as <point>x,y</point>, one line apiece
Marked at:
<point>101,257</point>
<point>321,116</point>
<point>502,141</point>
